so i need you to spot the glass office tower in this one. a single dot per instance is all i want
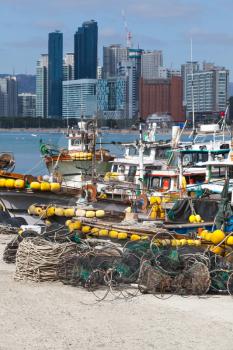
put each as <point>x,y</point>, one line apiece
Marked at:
<point>55,74</point>
<point>85,51</point>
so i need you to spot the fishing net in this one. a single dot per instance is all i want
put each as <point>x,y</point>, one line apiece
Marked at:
<point>37,259</point>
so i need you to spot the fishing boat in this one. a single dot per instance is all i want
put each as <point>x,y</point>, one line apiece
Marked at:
<point>81,161</point>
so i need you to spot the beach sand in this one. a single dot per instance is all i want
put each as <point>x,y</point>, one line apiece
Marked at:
<point>53,316</point>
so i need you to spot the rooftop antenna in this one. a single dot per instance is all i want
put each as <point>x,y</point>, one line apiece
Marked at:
<point>192,92</point>
<point>127,32</point>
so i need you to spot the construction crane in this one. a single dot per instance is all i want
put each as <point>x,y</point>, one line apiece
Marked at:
<point>127,32</point>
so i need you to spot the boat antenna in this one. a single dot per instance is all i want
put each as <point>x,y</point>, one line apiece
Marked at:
<point>192,91</point>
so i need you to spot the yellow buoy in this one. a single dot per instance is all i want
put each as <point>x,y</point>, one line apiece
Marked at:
<point>216,250</point>
<point>208,236</point>
<point>45,186</point>
<point>122,235</point>
<point>71,226</point>
<point>198,218</point>
<point>95,231</point>
<point>113,234</point>
<point>2,182</point>
<point>68,222</point>
<point>38,211</point>
<point>59,211</point>
<point>10,183</point>
<point>50,211</point>
<point>90,214</point>
<point>190,242</point>
<point>203,233</point>
<point>19,183</point>
<point>55,187</point>
<point>192,219</point>
<point>69,212</point>
<point>31,210</point>
<point>197,242</point>
<point>35,186</point>
<point>86,229</point>
<point>100,213</point>
<point>230,240</point>
<point>77,225</point>
<point>103,232</point>
<point>217,236</point>
<point>183,241</point>
<point>80,213</point>
<point>135,237</point>
<point>153,215</point>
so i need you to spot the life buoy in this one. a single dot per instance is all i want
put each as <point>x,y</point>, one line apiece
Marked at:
<point>91,191</point>
<point>143,200</point>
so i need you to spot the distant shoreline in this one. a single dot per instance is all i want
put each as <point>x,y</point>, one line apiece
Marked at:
<point>62,131</point>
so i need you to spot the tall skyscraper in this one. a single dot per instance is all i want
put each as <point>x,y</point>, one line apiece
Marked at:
<point>42,87</point>
<point>26,105</point>
<point>210,91</point>
<point>8,97</point>
<point>68,67</point>
<point>151,61</point>
<point>55,74</point>
<point>128,70</point>
<point>186,69</point>
<point>112,56</point>
<point>85,51</point>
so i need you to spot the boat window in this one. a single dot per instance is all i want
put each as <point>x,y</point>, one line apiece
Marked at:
<point>121,169</point>
<point>75,142</point>
<point>147,152</point>
<point>114,168</point>
<point>166,181</point>
<point>231,172</point>
<point>187,159</point>
<point>133,151</point>
<point>218,171</point>
<point>132,173</point>
<point>155,183</point>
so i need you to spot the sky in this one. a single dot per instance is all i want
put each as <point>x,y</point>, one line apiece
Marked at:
<point>166,25</point>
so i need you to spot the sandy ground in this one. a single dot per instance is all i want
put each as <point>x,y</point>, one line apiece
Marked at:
<point>53,316</point>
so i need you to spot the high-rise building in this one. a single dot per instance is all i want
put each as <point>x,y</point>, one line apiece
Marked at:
<point>135,56</point>
<point>8,97</point>
<point>162,96</point>
<point>112,98</point>
<point>151,61</point>
<point>42,87</point>
<point>112,56</point>
<point>85,51</point>
<point>210,91</point>
<point>99,72</point>
<point>68,67</point>
<point>55,74</point>
<point>79,98</point>
<point>26,105</point>
<point>128,70</point>
<point>188,68</point>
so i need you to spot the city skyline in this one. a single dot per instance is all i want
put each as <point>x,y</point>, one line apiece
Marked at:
<point>155,24</point>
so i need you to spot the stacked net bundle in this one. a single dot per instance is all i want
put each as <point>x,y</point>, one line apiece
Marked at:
<point>10,251</point>
<point>37,259</point>
<point>88,267</point>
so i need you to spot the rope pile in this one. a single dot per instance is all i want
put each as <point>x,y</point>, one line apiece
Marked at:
<point>8,229</point>
<point>37,259</point>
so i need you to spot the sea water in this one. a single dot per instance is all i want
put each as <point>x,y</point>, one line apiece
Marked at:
<point>26,147</point>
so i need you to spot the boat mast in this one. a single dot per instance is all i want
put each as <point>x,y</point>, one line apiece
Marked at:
<point>192,91</point>
<point>141,165</point>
